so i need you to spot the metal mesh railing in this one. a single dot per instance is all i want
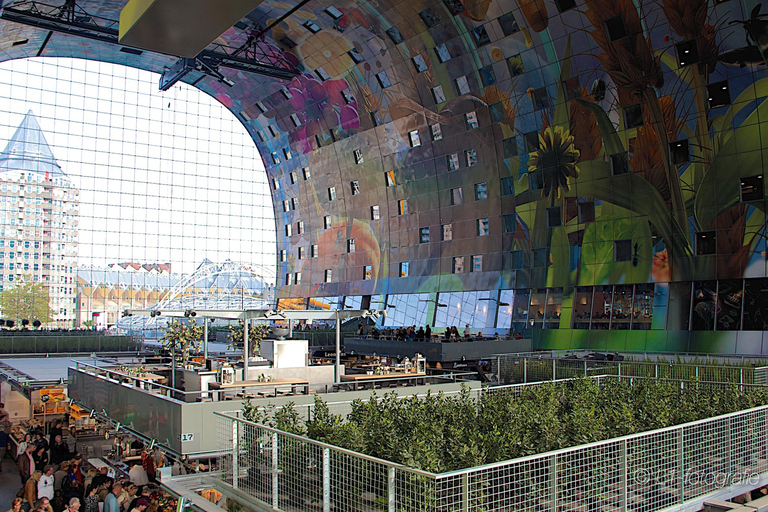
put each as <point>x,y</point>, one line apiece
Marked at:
<point>514,368</point>
<point>639,473</point>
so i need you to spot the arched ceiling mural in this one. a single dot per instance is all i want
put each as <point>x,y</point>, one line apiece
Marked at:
<point>455,145</point>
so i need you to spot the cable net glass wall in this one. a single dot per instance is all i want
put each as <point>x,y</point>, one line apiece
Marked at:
<point>112,192</point>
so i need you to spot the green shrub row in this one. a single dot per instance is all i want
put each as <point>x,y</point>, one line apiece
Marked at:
<point>442,433</point>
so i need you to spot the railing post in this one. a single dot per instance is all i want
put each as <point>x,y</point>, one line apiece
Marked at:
<point>681,461</point>
<point>275,493</point>
<point>525,370</point>
<point>554,369</point>
<point>235,453</point>
<point>465,492</point>
<point>624,475</point>
<point>619,369</point>
<point>326,480</point>
<point>585,368</point>
<point>391,502</point>
<point>553,483</point>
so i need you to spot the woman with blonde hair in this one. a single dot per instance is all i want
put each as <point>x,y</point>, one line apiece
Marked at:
<point>16,505</point>
<point>30,488</point>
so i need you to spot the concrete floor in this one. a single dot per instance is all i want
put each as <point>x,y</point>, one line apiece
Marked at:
<point>9,483</point>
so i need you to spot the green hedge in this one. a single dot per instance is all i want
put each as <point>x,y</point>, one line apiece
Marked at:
<point>440,433</point>
<point>46,344</point>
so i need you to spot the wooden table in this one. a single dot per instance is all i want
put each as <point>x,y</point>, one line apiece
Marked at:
<point>357,379</point>
<point>251,384</point>
<point>149,378</point>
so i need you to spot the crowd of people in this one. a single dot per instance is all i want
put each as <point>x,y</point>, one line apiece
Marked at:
<point>412,333</point>
<point>55,478</point>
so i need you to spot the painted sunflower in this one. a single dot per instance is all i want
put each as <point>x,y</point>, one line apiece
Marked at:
<point>554,161</point>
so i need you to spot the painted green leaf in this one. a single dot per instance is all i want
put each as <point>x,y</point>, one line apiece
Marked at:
<point>562,112</point>
<point>559,272</point>
<point>611,140</point>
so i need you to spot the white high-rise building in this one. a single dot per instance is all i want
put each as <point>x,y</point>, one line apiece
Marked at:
<point>39,210</point>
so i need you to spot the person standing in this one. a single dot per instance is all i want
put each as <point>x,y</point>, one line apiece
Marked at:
<point>30,488</point>
<point>55,431</point>
<point>73,505</point>
<point>59,451</point>
<point>5,418</point>
<point>110,502</point>
<point>92,499</point>
<point>26,463</point>
<point>5,441</point>
<point>59,475</point>
<point>45,484</point>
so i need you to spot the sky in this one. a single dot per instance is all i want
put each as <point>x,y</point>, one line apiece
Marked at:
<point>163,176</point>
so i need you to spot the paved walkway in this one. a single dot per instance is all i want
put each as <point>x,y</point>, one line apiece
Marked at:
<point>9,483</point>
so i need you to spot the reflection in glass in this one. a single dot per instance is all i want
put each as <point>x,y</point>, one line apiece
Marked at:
<point>520,311</point>
<point>601,307</point>
<point>407,311</point>
<point>582,307</point>
<point>679,309</point>
<point>553,309</point>
<point>730,293</point>
<point>504,316</point>
<point>756,305</point>
<point>622,307</point>
<point>642,309</point>
<point>537,307</point>
<point>704,305</point>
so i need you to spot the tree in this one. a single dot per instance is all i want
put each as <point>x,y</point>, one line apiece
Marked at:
<point>256,333</point>
<point>179,337</point>
<point>26,301</point>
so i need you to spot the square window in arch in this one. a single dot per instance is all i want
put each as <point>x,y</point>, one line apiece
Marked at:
<point>633,116</point>
<point>509,223</point>
<point>383,79</point>
<point>497,112</point>
<point>752,188</point>
<point>367,272</point>
<point>375,215</point>
<point>483,228</point>
<point>515,65</point>
<point>436,131</point>
<point>356,55</point>
<point>458,265</point>
<point>312,26</point>
<point>565,5</point>
<point>429,17</point>
<point>622,250</point>
<point>443,55</point>
<point>307,174</point>
<point>455,7</point>
<point>456,196</point>
<point>419,63</point>
<point>447,232</point>
<point>508,24</point>
<point>706,243</point>
<point>476,264</point>
<point>328,275</point>
<point>453,161</point>
<point>719,94</point>
<point>355,186</point>
<point>438,94</point>
<point>395,35</point>
<point>679,152</point>
<point>315,251</point>
<point>358,156</point>
<point>275,158</point>
<point>424,235</point>
<point>404,268</point>
<point>470,156</point>
<point>488,75</point>
<point>481,191</point>
<point>470,119</point>
<point>462,85</point>
<point>334,13</point>
<point>481,35</point>
<point>615,28</point>
<point>414,138</point>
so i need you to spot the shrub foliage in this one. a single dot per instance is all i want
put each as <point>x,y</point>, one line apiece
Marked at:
<point>443,433</point>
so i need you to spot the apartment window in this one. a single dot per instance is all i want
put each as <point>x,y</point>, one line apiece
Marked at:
<point>565,5</point>
<point>470,156</point>
<point>327,222</point>
<point>752,188</point>
<point>507,187</point>
<point>295,203</point>
<point>458,264</point>
<point>390,178</point>
<point>315,251</point>
<point>429,17</point>
<point>508,24</point>
<point>328,275</point>
<point>293,177</point>
<point>619,163</point>
<point>283,255</point>
<point>540,258</point>
<point>554,217</point>
<point>275,158</point>
<point>438,94</point>
<point>355,186</point>
<point>482,227</point>
<point>286,93</point>
<point>470,119</point>
<point>462,85</point>
<point>615,28</point>
<point>383,80</point>
<point>288,279</point>
<point>273,131</point>
<point>300,227</point>
<point>286,205</point>
<point>297,278</point>
<point>633,116</point>
<point>481,191</point>
<point>358,156</point>
<point>323,74</point>
<point>356,55</point>
<point>350,245</point>
<point>481,35</point>
<point>706,243</point>
<point>312,26</point>
<point>719,94</point>
<point>404,267</point>
<point>295,120</point>
<point>476,263</point>
<point>437,131</point>
<point>395,35</point>
<point>586,212</point>
<point>419,63</point>
<point>531,142</point>
<point>515,65</point>
<point>367,272</point>
<point>509,223</point>
<point>687,53</point>
<point>453,161</point>
<point>456,196</point>
<point>348,96</point>
<point>679,153</point>
<point>275,184</point>
<point>622,250</point>
<point>424,235</point>
<point>443,55</point>
<point>447,232</point>
<point>288,230</point>
<point>540,98</point>
<point>331,193</point>
<point>414,137</point>
<point>301,253</point>
<point>306,173</point>
<point>402,207</point>
<point>375,212</point>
